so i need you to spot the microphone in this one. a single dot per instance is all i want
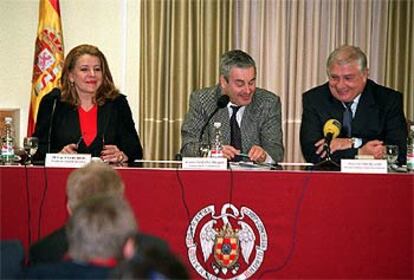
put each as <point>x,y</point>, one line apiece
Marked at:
<point>221,103</point>
<point>331,130</point>
<point>49,133</point>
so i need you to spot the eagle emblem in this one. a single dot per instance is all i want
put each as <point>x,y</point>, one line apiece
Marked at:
<point>227,243</point>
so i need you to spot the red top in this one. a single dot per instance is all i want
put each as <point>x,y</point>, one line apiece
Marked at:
<point>109,262</point>
<point>88,124</point>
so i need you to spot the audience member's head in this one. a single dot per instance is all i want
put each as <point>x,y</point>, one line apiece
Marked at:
<point>150,262</point>
<point>99,228</point>
<point>92,179</point>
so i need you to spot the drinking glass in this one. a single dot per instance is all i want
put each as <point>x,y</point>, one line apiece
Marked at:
<point>30,145</point>
<point>391,155</point>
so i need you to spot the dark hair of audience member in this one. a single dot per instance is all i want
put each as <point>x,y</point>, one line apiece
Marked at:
<point>151,263</point>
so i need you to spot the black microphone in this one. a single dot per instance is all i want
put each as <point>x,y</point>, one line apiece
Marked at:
<point>221,103</point>
<point>49,133</point>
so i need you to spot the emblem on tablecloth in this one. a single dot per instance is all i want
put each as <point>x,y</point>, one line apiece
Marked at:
<point>222,247</point>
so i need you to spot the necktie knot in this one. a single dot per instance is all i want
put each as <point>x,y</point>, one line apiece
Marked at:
<point>235,109</point>
<point>348,104</point>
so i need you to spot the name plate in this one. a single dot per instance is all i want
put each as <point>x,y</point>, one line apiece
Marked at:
<point>201,163</point>
<point>67,160</point>
<point>364,165</point>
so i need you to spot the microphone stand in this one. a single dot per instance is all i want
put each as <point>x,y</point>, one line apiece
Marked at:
<point>205,147</point>
<point>328,163</point>
<point>222,102</point>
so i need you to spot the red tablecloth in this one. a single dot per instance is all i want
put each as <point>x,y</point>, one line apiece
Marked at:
<point>316,224</point>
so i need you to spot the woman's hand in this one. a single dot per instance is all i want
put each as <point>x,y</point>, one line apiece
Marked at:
<point>111,153</point>
<point>69,149</point>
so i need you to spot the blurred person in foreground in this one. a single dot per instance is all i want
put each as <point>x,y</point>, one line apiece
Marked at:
<point>150,262</point>
<point>87,114</point>
<point>100,234</point>
<point>376,116</point>
<point>96,178</point>
<point>257,114</point>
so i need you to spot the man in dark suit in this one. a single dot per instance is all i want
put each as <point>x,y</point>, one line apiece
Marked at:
<point>257,114</point>
<point>93,179</point>
<point>371,115</point>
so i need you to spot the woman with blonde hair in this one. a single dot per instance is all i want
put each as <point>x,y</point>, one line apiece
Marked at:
<point>87,113</point>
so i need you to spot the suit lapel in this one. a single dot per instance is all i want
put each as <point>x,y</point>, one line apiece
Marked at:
<point>104,113</point>
<point>336,109</point>
<point>367,113</point>
<point>72,122</point>
<point>248,126</point>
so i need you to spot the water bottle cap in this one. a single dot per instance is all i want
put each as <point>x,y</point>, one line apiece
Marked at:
<point>8,119</point>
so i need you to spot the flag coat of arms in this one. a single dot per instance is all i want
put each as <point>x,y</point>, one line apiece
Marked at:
<point>48,57</point>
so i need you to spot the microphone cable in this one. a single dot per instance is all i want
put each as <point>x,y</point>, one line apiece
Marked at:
<point>49,134</point>
<point>29,207</point>
<point>183,200</point>
<point>42,201</point>
<point>231,187</point>
<point>294,229</point>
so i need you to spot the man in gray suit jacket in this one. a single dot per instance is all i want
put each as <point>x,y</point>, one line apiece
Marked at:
<point>258,116</point>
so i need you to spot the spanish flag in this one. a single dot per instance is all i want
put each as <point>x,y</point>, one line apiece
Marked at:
<point>48,57</point>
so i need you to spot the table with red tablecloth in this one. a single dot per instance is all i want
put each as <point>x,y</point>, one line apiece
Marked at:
<point>302,224</point>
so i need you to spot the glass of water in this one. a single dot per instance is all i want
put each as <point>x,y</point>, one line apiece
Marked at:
<point>30,145</point>
<point>391,155</point>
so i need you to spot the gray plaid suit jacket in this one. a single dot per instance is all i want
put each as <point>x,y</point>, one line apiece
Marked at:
<point>260,125</point>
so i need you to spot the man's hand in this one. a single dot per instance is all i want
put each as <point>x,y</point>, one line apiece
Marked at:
<point>257,154</point>
<point>337,144</point>
<point>230,152</point>
<point>374,148</point>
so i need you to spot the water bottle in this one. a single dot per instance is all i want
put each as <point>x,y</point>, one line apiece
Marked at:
<point>410,150</point>
<point>7,142</point>
<point>216,146</point>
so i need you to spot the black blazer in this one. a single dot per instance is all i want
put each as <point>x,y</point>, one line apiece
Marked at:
<point>379,115</point>
<point>53,247</point>
<point>58,125</point>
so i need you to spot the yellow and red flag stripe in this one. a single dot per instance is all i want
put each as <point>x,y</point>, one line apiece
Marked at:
<point>48,57</point>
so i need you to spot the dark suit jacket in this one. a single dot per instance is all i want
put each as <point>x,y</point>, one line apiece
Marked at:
<point>260,125</point>
<point>115,126</point>
<point>53,247</point>
<point>379,115</point>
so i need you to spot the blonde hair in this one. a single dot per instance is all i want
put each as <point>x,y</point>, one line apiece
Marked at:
<point>92,179</point>
<point>106,91</point>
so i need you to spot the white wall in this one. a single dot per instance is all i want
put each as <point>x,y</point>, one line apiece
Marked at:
<point>112,25</point>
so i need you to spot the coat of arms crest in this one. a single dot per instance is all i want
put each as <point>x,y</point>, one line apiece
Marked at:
<point>230,238</point>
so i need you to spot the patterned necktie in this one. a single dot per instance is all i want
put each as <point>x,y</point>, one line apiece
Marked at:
<point>235,129</point>
<point>347,119</point>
